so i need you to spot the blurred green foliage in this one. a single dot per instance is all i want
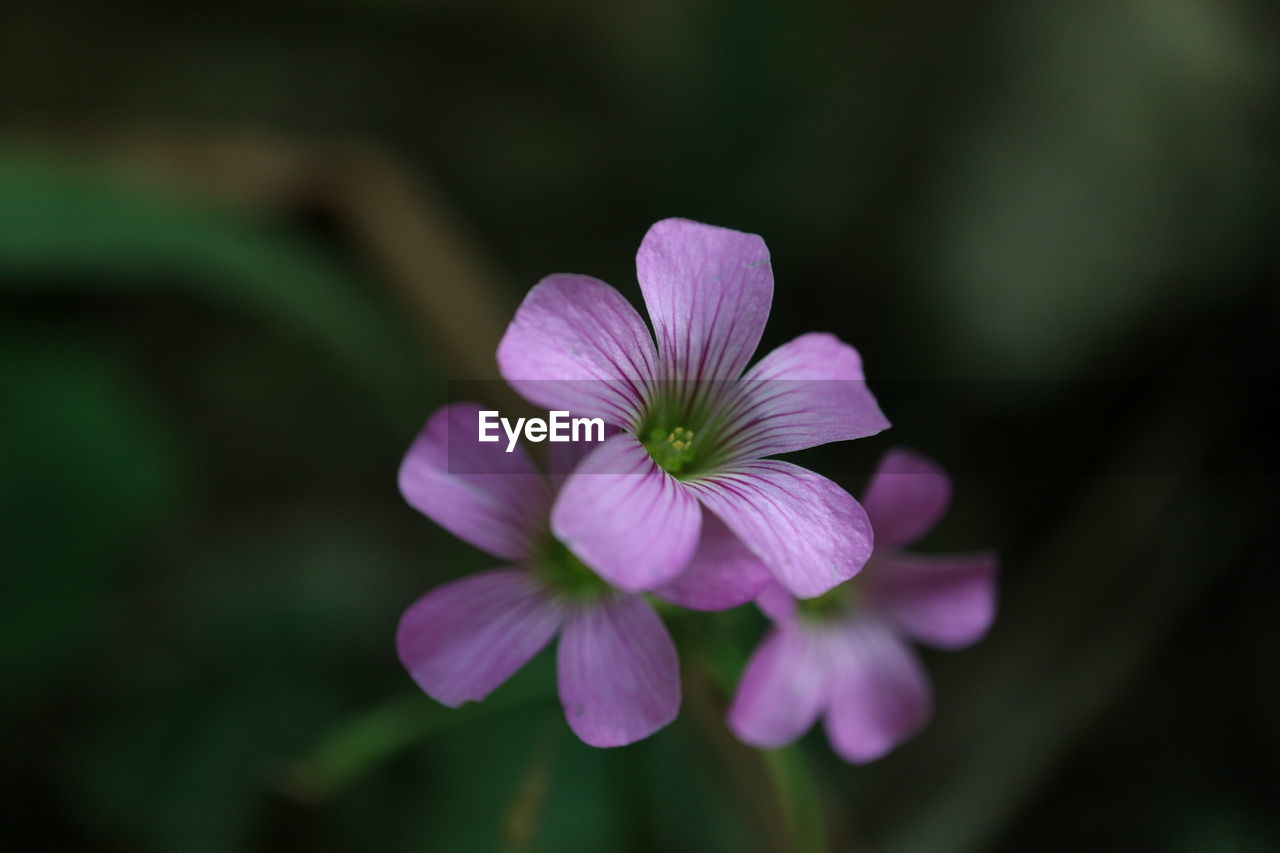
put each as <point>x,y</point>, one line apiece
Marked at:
<point>75,499</point>
<point>183,689</point>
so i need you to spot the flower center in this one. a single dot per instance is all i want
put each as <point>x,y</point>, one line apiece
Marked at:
<point>684,427</point>
<point>831,605</point>
<point>673,451</point>
<point>563,573</point>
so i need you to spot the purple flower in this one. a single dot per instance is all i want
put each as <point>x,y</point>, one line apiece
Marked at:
<point>846,654</point>
<point>617,669</point>
<point>695,427</point>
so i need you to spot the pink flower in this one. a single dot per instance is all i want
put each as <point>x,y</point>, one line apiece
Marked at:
<point>846,655</point>
<point>695,428</point>
<point>617,668</point>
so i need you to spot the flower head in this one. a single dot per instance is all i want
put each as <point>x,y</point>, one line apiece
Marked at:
<point>617,669</point>
<point>846,654</point>
<point>695,428</point>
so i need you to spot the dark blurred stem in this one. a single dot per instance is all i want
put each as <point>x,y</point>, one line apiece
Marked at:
<point>801,800</point>
<point>520,826</point>
<point>775,789</point>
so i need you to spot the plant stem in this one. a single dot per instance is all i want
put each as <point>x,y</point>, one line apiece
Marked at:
<point>800,798</point>
<point>776,789</point>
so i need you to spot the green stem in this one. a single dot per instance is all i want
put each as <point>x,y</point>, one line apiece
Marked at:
<point>524,812</point>
<point>801,800</point>
<point>778,793</point>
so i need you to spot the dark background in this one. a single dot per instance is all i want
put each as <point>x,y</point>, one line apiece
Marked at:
<point>245,246</point>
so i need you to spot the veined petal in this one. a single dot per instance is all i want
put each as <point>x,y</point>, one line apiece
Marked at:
<point>625,517</point>
<point>618,672</point>
<point>810,533</point>
<point>808,392</point>
<point>782,690</point>
<point>880,694</point>
<point>563,457</point>
<point>723,572</point>
<point>577,345</point>
<point>906,497</point>
<point>463,640</point>
<point>494,500</point>
<point>947,601</point>
<point>708,291</point>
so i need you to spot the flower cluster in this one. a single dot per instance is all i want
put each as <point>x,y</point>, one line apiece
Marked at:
<point>684,503</point>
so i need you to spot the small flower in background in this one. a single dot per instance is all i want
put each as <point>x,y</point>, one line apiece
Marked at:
<point>617,669</point>
<point>695,427</point>
<point>846,654</point>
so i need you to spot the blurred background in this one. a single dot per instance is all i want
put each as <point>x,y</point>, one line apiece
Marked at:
<point>244,247</point>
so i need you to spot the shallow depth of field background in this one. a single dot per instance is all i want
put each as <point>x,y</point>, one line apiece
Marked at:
<point>245,246</point>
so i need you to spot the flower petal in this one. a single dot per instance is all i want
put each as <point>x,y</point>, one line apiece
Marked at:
<point>809,532</point>
<point>626,518</point>
<point>563,457</point>
<point>782,690</point>
<point>576,344</point>
<point>723,573</point>
<point>808,392</point>
<point>708,291</point>
<point>494,500</point>
<point>618,672</point>
<point>906,497</point>
<point>944,601</point>
<point>880,694</point>
<point>776,603</point>
<point>463,640</point>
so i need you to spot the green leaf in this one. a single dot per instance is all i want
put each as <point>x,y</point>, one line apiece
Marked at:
<point>357,747</point>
